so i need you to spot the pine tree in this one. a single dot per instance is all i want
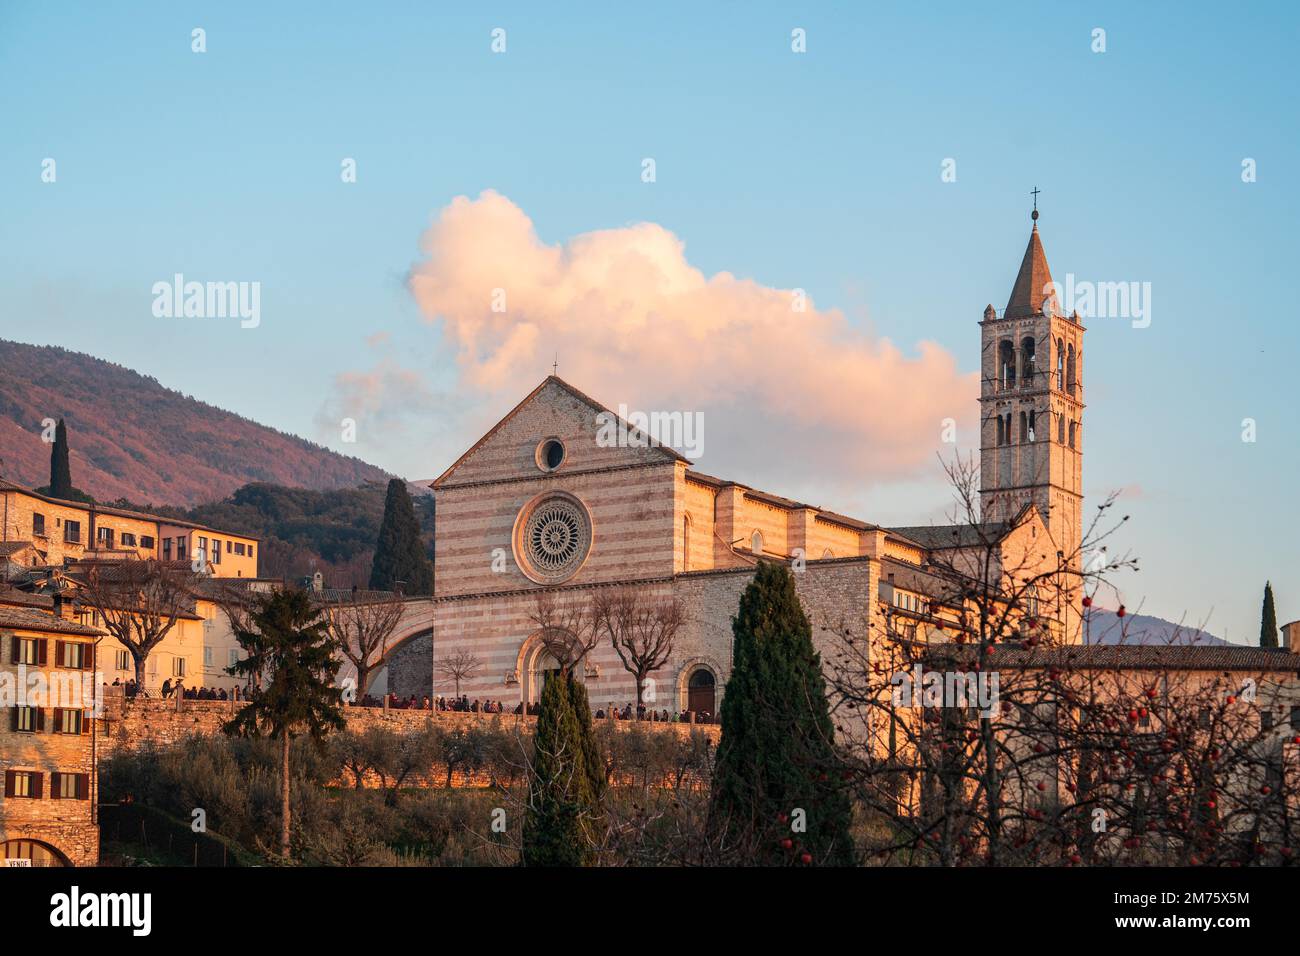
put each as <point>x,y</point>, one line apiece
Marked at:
<point>60,469</point>
<point>1268,619</point>
<point>776,764</point>
<point>288,646</point>
<point>558,825</point>
<point>399,554</point>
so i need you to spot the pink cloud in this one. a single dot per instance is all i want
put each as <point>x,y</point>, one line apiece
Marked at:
<point>633,321</point>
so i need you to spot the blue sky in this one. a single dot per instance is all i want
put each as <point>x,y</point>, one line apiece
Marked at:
<point>819,171</point>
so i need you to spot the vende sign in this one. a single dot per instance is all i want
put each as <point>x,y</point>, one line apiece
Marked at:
<point>18,861</point>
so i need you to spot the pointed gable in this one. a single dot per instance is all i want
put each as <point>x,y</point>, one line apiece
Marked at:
<point>553,410</point>
<point>1028,293</point>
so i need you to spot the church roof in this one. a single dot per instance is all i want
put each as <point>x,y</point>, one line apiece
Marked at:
<point>590,402</point>
<point>1185,657</point>
<point>937,537</point>
<point>1028,293</point>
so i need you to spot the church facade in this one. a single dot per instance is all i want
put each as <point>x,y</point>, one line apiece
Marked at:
<point>545,502</point>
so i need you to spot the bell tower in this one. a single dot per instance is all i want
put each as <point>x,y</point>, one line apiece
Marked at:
<point>1031,405</point>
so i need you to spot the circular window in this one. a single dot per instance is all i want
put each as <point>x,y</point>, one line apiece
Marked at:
<point>550,454</point>
<point>552,538</point>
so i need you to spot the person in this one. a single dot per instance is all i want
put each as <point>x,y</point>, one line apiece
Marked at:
<point>167,688</point>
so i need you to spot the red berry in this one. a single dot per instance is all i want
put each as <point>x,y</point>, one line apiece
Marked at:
<point>1120,612</point>
<point>805,858</point>
<point>1087,601</point>
<point>787,843</point>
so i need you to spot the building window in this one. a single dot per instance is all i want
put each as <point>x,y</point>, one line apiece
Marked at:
<point>27,650</point>
<point>1060,365</point>
<point>232,657</point>
<point>1060,429</point>
<point>550,454</point>
<point>1024,428</point>
<point>128,539</point>
<point>1295,718</point>
<point>239,548</point>
<point>104,536</point>
<point>207,657</point>
<point>72,532</point>
<point>250,550</point>
<point>686,542</point>
<point>1069,370</point>
<point>26,720</point>
<point>1266,719</point>
<point>69,786</point>
<point>123,661</point>
<point>1027,349</point>
<point>1002,439</point>
<point>180,548</point>
<point>756,542</point>
<point>67,721</point>
<point>1072,434</point>
<point>146,541</point>
<point>38,525</point>
<point>216,551</point>
<point>1032,428</point>
<point>167,549</point>
<point>1007,364</point>
<point>70,654</point>
<point>23,783</point>
<point>178,667</point>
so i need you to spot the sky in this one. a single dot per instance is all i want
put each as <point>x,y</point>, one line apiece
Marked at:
<point>882,176</point>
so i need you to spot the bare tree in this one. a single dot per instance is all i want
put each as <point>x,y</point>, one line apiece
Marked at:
<point>139,602</point>
<point>641,629</point>
<point>1096,755</point>
<point>361,624</point>
<point>566,628</point>
<point>461,666</point>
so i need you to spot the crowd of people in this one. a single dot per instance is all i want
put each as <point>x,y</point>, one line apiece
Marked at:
<point>464,705</point>
<point>130,689</point>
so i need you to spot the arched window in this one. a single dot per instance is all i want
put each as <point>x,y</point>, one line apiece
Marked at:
<point>1060,365</point>
<point>1072,427</point>
<point>756,542</point>
<point>1006,427</point>
<point>1007,363</point>
<point>1027,349</point>
<point>1069,370</point>
<point>686,542</point>
<point>1024,428</point>
<point>1032,430</point>
<point>1060,429</point>
<point>1002,438</point>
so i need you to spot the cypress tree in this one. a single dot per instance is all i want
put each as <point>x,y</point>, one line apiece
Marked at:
<point>1268,619</point>
<point>561,803</point>
<point>60,469</point>
<point>776,756</point>
<point>399,553</point>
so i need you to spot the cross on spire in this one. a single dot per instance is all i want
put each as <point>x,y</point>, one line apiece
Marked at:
<point>555,366</point>
<point>1034,192</point>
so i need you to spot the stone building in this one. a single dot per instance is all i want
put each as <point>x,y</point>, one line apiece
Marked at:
<point>564,497</point>
<point>47,735</point>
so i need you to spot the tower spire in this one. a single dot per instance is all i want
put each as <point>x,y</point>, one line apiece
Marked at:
<point>1034,280</point>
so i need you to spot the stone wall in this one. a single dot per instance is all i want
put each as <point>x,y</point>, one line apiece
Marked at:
<point>128,725</point>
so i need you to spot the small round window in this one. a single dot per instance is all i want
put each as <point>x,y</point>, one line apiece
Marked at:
<point>550,454</point>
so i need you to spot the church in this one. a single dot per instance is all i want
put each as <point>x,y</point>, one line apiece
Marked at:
<point>542,504</point>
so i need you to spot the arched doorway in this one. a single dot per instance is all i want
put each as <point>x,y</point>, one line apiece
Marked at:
<point>701,692</point>
<point>538,666</point>
<point>22,853</point>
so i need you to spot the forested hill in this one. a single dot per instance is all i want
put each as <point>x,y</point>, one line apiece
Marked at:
<point>303,531</point>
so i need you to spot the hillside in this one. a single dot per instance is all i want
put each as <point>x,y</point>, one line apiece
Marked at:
<point>132,438</point>
<point>303,531</point>
<point>1106,627</point>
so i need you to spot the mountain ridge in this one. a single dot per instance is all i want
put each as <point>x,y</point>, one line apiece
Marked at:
<point>133,438</point>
